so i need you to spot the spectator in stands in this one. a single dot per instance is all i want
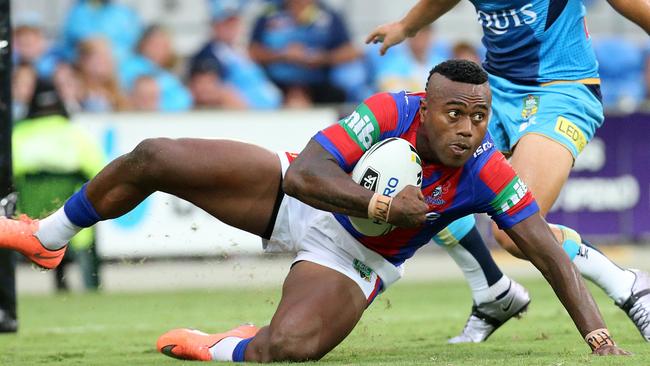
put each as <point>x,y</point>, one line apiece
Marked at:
<point>23,84</point>
<point>209,91</point>
<point>154,56</point>
<point>233,66</point>
<point>101,18</point>
<point>298,44</point>
<point>156,45</point>
<point>68,85</point>
<point>30,45</point>
<point>145,94</point>
<point>100,90</point>
<point>403,66</point>
<point>465,51</point>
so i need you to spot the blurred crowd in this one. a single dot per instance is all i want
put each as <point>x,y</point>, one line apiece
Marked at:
<point>297,53</point>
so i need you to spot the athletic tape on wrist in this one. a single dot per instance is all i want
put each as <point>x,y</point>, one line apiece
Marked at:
<point>379,207</point>
<point>599,338</point>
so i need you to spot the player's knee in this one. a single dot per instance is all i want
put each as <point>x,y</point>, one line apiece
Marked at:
<point>290,345</point>
<point>148,158</point>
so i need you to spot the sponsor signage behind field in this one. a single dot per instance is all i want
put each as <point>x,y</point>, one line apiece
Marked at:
<point>608,192</point>
<point>606,195</point>
<point>164,225</point>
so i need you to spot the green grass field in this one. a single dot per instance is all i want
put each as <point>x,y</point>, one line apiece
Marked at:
<point>408,325</point>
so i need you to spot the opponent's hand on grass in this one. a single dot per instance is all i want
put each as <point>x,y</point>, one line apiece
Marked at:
<point>408,208</point>
<point>610,350</point>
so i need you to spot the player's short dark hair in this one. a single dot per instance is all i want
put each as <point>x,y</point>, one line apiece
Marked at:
<point>462,71</point>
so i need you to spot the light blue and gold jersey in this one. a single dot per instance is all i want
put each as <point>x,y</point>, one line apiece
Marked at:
<point>536,41</point>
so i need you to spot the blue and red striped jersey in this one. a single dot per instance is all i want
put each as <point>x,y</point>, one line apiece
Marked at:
<point>485,184</point>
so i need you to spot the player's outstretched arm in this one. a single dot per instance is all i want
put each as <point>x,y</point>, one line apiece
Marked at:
<point>638,11</point>
<point>423,13</point>
<point>537,242</point>
<point>316,179</point>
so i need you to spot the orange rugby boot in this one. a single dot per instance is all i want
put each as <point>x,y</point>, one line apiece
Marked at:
<point>192,344</point>
<point>19,235</point>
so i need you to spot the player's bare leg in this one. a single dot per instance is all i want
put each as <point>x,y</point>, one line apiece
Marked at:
<point>318,309</point>
<point>235,182</point>
<point>545,177</point>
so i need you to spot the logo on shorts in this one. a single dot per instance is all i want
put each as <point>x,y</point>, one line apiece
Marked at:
<point>569,130</point>
<point>364,271</point>
<point>370,179</point>
<point>531,105</point>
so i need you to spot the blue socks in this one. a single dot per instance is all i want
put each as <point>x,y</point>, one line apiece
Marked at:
<point>80,211</point>
<point>240,350</point>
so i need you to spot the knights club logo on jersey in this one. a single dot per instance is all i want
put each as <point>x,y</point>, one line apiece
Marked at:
<point>435,199</point>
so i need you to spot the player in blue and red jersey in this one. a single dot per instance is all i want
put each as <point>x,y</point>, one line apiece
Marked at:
<point>546,107</point>
<point>301,204</point>
<point>485,181</point>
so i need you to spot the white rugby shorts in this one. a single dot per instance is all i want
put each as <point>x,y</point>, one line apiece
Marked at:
<point>317,237</point>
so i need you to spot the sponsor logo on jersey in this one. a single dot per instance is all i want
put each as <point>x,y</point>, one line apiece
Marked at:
<point>364,271</point>
<point>362,127</point>
<point>531,104</point>
<point>569,130</point>
<point>509,196</point>
<point>500,22</point>
<point>370,179</point>
<point>483,148</point>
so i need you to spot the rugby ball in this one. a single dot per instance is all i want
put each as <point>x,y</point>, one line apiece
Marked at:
<point>386,168</point>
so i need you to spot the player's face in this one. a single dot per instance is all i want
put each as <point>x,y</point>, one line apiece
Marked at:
<point>454,119</point>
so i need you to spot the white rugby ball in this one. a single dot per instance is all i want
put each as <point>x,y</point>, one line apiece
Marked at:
<point>388,167</point>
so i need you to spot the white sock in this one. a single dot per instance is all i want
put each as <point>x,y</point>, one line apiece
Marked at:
<point>614,280</point>
<point>596,267</point>
<point>222,351</point>
<point>56,230</point>
<point>478,284</point>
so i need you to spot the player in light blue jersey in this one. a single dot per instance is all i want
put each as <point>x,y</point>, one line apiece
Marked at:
<point>546,103</point>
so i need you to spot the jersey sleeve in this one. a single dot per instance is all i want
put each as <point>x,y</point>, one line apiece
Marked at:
<point>502,194</point>
<point>348,139</point>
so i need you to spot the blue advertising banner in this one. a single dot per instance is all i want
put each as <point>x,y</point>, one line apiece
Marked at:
<point>608,192</point>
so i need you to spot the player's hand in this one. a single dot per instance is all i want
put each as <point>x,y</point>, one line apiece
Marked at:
<point>388,35</point>
<point>408,208</point>
<point>610,350</point>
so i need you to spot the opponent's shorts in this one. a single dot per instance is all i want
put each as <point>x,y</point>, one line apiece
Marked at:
<point>566,112</point>
<point>315,236</point>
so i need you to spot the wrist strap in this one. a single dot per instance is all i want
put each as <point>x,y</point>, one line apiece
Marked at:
<point>379,207</point>
<point>598,338</point>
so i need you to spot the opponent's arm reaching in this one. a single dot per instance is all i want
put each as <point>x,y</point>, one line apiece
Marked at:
<point>638,11</point>
<point>423,13</point>
<point>316,179</point>
<point>537,242</point>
